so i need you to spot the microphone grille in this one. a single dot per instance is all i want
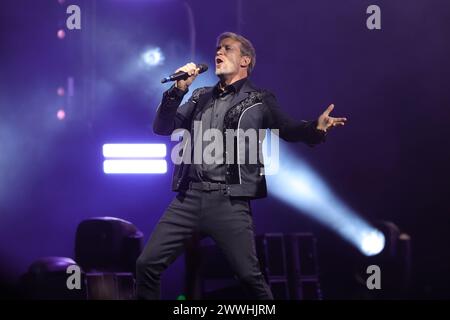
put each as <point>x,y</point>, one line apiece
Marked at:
<point>203,67</point>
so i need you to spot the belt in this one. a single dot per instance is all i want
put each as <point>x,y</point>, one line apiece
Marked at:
<point>207,186</point>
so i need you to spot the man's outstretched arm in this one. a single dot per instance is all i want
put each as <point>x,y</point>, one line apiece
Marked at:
<point>309,132</point>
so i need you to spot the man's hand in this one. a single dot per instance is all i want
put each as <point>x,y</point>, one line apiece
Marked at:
<point>192,70</point>
<point>326,122</point>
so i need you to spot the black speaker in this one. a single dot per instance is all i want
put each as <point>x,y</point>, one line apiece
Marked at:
<point>271,251</point>
<point>110,286</point>
<point>288,262</point>
<point>107,244</point>
<point>303,270</point>
<point>302,254</point>
<point>279,287</point>
<point>305,289</point>
<point>46,279</point>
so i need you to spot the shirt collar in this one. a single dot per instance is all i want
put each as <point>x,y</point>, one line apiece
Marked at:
<point>234,87</point>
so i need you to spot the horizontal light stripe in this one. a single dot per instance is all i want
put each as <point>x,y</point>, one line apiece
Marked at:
<point>134,150</point>
<point>134,166</point>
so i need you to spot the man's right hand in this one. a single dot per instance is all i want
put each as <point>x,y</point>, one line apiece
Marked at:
<point>192,70</point>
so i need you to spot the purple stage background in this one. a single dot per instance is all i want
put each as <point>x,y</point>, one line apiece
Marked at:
<point>389,162</point>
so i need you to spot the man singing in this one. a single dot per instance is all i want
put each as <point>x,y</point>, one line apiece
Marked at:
<point>214,198</point>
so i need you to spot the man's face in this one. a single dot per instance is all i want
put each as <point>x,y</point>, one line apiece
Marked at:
<point>228,57</point>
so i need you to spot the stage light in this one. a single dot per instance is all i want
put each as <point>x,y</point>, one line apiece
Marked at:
<point>153,57</point>
<point>134,166</point>
<point>298,185</point>
<point>373,243</point>
<point>131,151</point>
<point>134,150</point>
<point>60,91</point>
<point>61,114</point>
<point>61,34</point>
<point>393,261</point>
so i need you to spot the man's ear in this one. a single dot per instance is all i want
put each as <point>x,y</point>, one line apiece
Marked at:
<point>245,61</point>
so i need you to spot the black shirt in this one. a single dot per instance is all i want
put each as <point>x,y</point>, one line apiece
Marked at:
<point>212,118</point>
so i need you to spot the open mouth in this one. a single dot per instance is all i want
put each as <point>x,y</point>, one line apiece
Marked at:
<point>219,61</point>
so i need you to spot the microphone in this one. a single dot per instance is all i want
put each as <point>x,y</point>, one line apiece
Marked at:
<point>182,75</point>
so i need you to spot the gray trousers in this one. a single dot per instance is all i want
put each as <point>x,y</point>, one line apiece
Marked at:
<point>227,220</point>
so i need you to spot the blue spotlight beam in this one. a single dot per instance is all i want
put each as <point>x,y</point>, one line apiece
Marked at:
<point>298,185</point>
